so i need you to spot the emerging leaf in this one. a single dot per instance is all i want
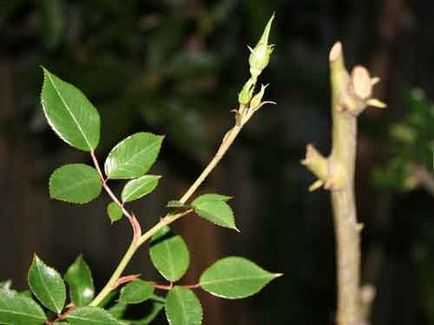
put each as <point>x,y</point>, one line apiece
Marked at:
<point>137,188</point>
<point>136,292</point>
<point>133,156</point>
<point>91,316</point>
<point>234,277</point>
<point>183,307</point>
<point>47,285</point>
<point>69,113</point>
<point>114,212</point>
<point>80,282</point>
<point>214,208</point>
<point>169,254</point>
<point>19,309</point>
<point>75,183</point>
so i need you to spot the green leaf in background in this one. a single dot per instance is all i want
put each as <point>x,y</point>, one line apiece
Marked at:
<point>118,310</point>
<point>234,277</point>
<point>136,292</point>
<point>133,156</point>
<point>155,307</point>
<point>137,188</point>
<point>70,114</point>
<point>91,316</point>
<point>75,183</point>
<point>17,309</point>
<point>183,307</point>
<point>47,285</point>
<point>169,254</point>
<point>80,282</point>
<point>114,212</point>
<point>214,208</point>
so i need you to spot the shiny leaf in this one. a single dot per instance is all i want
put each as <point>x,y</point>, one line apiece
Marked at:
<point>80,282</point>
<point>114,212</point>
<point>136,292</point>
<point>91,316</point>
<point>137,188</point>
<point>214,208</point>
<point>183,307</point>
<point>18,309</point>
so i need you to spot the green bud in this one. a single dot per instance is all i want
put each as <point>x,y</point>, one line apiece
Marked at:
<point>246,92</point>
<point>257,99</point>
<point>260,55</point>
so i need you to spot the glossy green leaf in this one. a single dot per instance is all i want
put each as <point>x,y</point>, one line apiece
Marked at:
<point>214,208</point>
<point>18,309</point>
<point>91,316</point>
<point>118,310</point>
<point>75,183</point>
<point>136,292</point>
<point>69,113</point>
<point>114,212</point>
<point>169,254</point>
<point>133,156</point>
<point>80,282</point>
<point>47,285</point>
<point>183,307</point>
<point>235,277</point>
<point>137,188</point>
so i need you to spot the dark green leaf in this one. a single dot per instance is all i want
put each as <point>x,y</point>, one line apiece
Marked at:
<point>156,307</point>
<point>114,212</point>
<point>75,183</point>
<point>183,307</point>
<point>235,277</point>
<point>91,316</point>
<point>169,254</point>
<point>214,208</point>
<point>80,282</point>
<point>17,309</point>
<point>137,188</point>
<point>118,310</point>
<point>136,292</point>
<point>133,156</point>
<point>47,285</point>
<point>70,114</point>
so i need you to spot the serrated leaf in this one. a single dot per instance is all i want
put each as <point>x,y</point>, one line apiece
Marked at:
<point>91,316</point>
<point>183,307</point>
<point>18,309</point>
<point>80,282</point>
<point>114,212</point>
<point>137,188</point>
<point>69,113</point>
<point>133,156</point>
<point>75,183</point>
<point>169,254</point>
<point>234,277</point>
<point>136,292</point>
<point>214,208</point>
<point>47,285</point>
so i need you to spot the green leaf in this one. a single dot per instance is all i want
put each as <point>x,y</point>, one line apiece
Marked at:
<point>91,316</point>
<point>47,285</point>
<point>75,183</point>
<point>136,292</point>
<point>169,254</point>
<point>118,310</point>
<point>139,187</point>
<point>114,212</point>
<point>183,307</point>
<point>17,309</point>
<point>69,113</point>
<point>133,156</point>
<point>234,277</point>
<point>80,282</point>
<point>214,208</point>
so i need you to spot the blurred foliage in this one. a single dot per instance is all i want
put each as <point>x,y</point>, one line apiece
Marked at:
<point>412,143</point>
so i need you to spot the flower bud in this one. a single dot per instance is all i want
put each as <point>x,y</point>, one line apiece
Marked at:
<point>257,99</point>
<point>246,93</point>
<point>260,55</point>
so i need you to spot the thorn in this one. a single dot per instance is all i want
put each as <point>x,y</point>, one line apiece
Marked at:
<point>335,52</point>
<point>376,103</point>
<point>375,80</point>
<point>316,185</point>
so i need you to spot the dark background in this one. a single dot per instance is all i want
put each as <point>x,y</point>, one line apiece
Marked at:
<point>174,67</point>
